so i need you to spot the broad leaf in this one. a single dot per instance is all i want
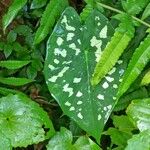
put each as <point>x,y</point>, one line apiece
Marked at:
<point>137,63</point>
<point>23,121</point>
<point>13,64</point>
<point>139,112</point>
<point>114,49</point>
<point>12,12</point>
<point>15,81</point>
<point>140,141</point>
<point>85,143</point>
<point>38,4</point>
<point>62,140</point>
<point>123,123</point>
<point>118,137</point>
<point>72,52</point>
<point>4,142</point>
<point>51,14</point>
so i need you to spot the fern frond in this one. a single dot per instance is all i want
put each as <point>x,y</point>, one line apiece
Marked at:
<point>15,7</point>
<point>137,63</point>
<point>86,12</point>
<point>53,10</point>
<point>113,51</point>
<point>134,7</point>
<point>146,12</point>
<point>124,101</point>
<point>146,78</point>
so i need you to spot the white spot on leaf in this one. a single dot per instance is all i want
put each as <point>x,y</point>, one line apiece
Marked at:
<point>56,61</point>
<point>72,108</point>
<point>105,85</point>
<point>115,86</point>
<point>59,41</point>
<point>80,115</point>
<point>101,97</point>
<point>120,62</point>
<point>73,46</point>
<point>51,67</point>
<point>109,79</point>
<point>103,32</point>
<point>112,71</point>
<point>68,104</point>
<point>99,117</point>
<point>68,89</point>
<point>79,102</point>
<point>58,51</point>
<point>60,74</point>
<point>69,28</point>
<point>70,36</point>
<point>121,72</point>
<point>79,94</point>
<point>76,80</point>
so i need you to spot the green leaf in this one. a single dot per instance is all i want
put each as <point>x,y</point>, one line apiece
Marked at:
<point>113,50</point>
<point>123,123</point>
<point>85,143</point>
<point>5,91</point>
<point>146,79</point>
<point>13,10</point>
<point>134,7</point>
<point>139,112</point>
<point>72,52</point>
<point>23,121</point>
<point>146,12</point>
<point>86,12</point>
<point>137,63</point>
<point>11,37</point>
<point>125,100</point>
<point>51,14</point>
<point>38,4</point>
<point>62,140</point>
<point>15,81</point>
<point>4,142</point>
<point>139,141</point>
<point>13,64</point>
<point>118,137</point>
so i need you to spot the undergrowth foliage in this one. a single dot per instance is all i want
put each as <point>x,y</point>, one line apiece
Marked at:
<point>93,62</point>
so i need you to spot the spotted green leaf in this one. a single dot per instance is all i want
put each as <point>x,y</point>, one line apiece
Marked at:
<point>139,112</point>
<point>113,50</point>
<point>23,121</point>
<point>13,10</point>
<point>15,81</point>
<point>13,64</point>
<point>140,141</point>
<point>72,52</point>
<point>38,4</point>
<point>50,15</point>
<point>137,63</point>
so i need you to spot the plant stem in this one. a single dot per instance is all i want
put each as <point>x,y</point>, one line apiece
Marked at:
<point>120,12</point>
